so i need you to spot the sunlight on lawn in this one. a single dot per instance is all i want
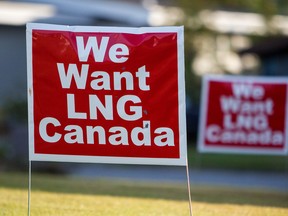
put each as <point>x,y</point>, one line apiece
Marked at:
<point>61,196</point>
<point>14,203</point>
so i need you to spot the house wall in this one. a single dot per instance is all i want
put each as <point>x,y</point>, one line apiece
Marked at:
<point>12,64</point>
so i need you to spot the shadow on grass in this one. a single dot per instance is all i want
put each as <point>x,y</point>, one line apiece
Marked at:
<point>64,184</point>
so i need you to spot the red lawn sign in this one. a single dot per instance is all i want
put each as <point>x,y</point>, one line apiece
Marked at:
<point>243,115</point>
<point>106,94</point>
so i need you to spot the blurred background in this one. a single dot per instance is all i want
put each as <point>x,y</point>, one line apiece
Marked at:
<point>221,37</point>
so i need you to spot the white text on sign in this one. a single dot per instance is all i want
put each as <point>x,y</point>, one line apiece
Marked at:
<point>128,107</point>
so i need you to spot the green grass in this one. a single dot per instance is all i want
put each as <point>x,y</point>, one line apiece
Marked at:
<point>60,195</point>
<point>275,163</point>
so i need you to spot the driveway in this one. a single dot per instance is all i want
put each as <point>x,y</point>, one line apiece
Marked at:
<point>171,174</point>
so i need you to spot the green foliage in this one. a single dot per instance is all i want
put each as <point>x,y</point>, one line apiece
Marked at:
<point>265,7</point>
<point>194,28</point>
<point>16,110</point>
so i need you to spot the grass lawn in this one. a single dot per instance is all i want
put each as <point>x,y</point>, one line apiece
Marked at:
<point>60,195</point>
<point>275,163</point>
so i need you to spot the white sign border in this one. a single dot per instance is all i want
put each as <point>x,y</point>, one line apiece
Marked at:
<point>181,161</point>
<point>201,145</point>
